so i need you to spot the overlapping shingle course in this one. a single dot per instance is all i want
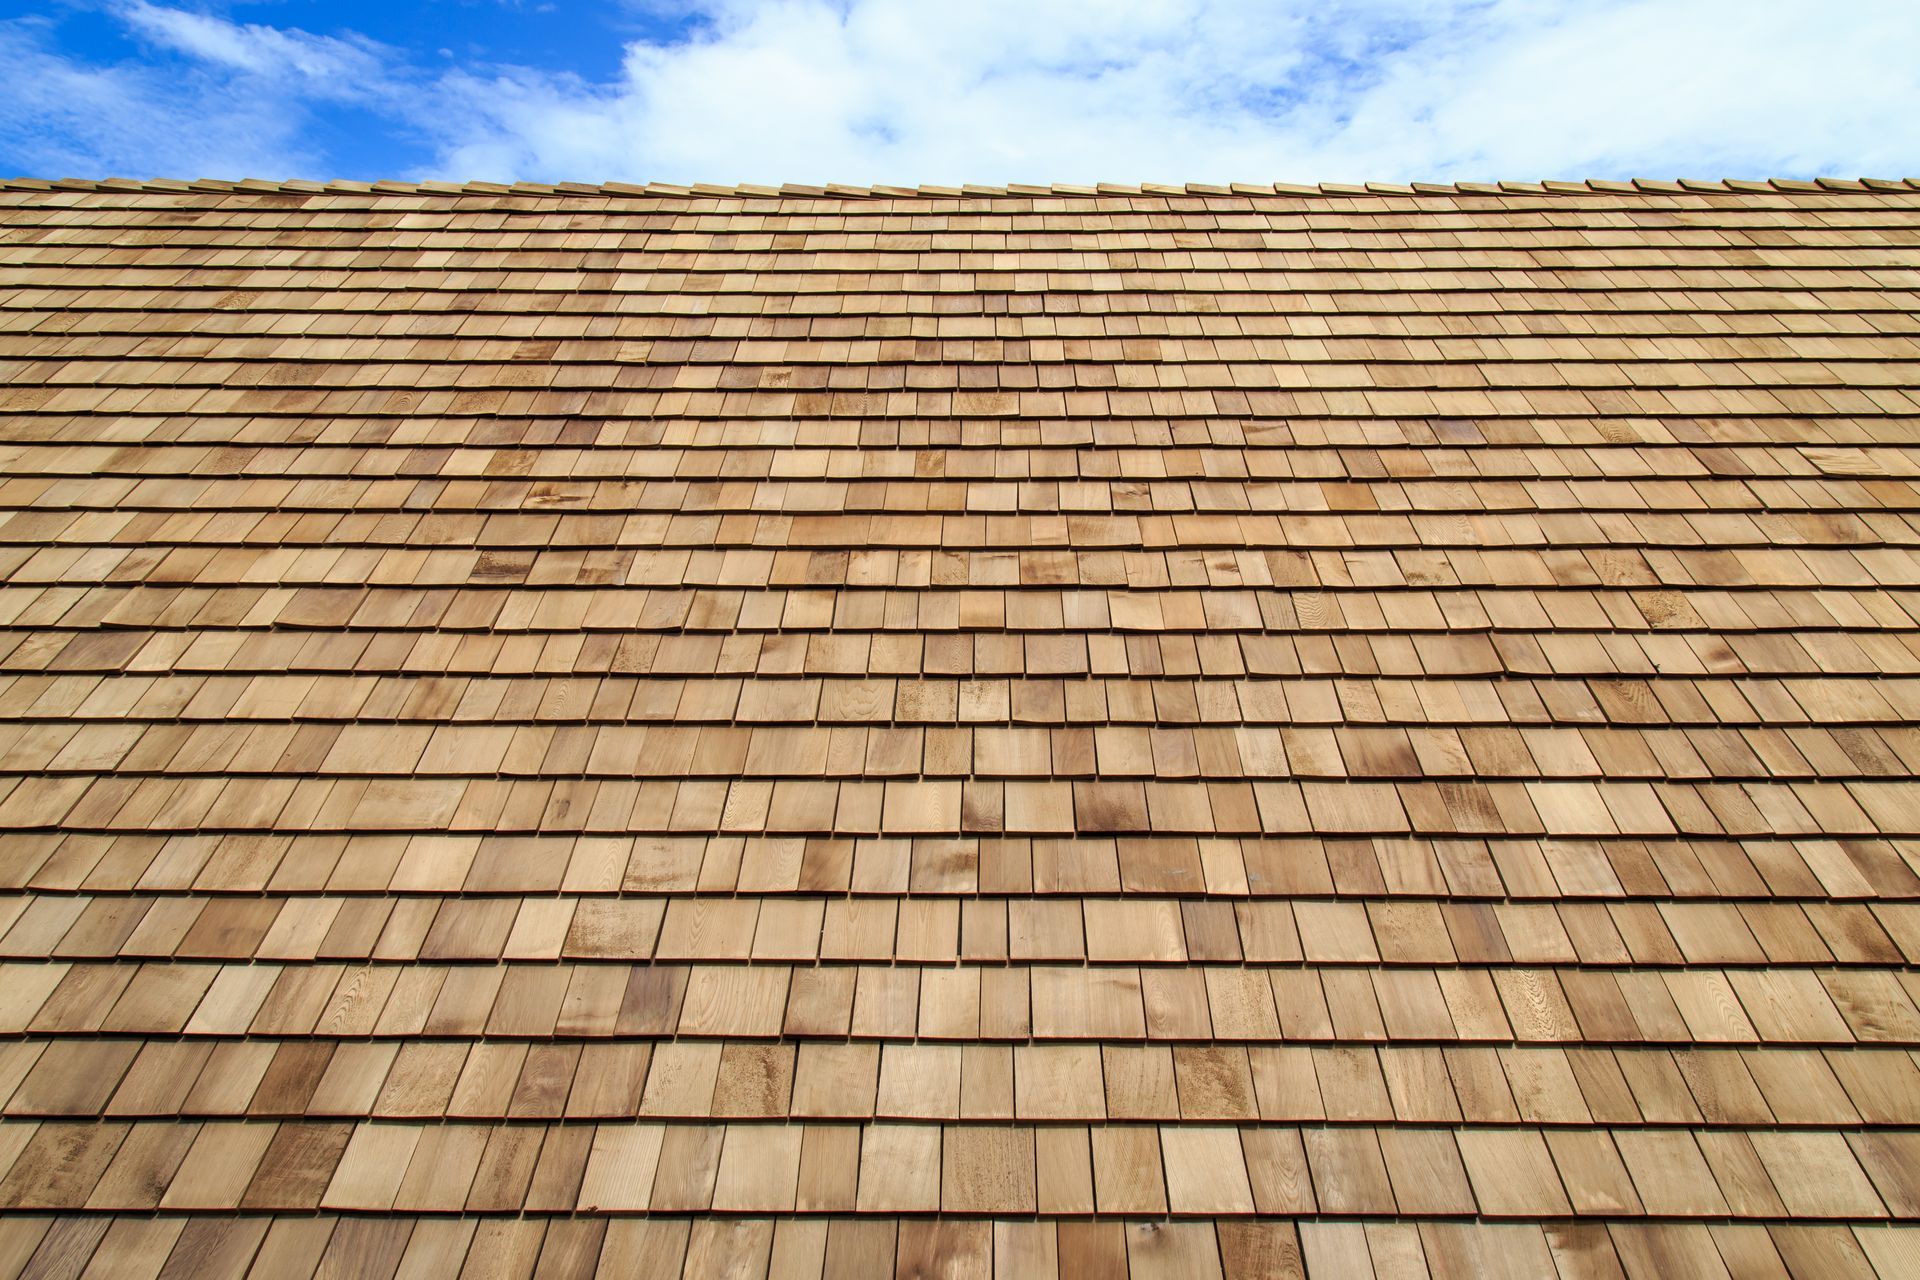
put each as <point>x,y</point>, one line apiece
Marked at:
<point>825,731</point>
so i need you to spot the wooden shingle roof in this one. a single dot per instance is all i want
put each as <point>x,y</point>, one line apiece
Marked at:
<point>825,732</point>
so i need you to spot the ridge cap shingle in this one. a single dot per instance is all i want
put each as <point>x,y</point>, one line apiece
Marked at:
<point>834,190</point>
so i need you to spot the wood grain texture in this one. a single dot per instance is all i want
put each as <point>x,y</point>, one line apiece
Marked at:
<point>1245,731</point>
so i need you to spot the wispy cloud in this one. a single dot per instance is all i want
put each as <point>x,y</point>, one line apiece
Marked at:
<point>325,65</point>
<point>1030,90</point>
<point>65,116</point>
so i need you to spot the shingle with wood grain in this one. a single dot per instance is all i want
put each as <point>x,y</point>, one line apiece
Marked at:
<point>1213,731</point>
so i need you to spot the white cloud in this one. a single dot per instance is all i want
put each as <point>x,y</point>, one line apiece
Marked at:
<point>64,118</point>
<point>240,100</point>
<point>1074,90</point>
<point>1043,90</point>
<point>1668,87</point>
<point>331,66</point>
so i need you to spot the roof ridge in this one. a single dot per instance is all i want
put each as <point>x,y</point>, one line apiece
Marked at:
<point>752,191</point>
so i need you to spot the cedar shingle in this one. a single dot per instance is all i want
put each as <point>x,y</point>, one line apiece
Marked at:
<point>797,711</point>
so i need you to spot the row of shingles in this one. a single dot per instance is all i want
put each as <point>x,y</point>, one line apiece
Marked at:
<point>1783,400</point>
<point>633,337</point>
<point>1280,543</point>
<point>753,1248</point>
<point>1001,269</point>
<point>1539,486</point>
<point>1271,448</point>
<point>683,223</point>
<point>807,571</point>
<point>664,235</point>
<point>1564,1005</point>
<point>98,344</point>
<point>1368,256</point>
<point>927,362</point>
<point>1136,929</point>
<point>217,802</point>
<point>1528,478</point>
<point>299,1248</point>
<point>1819,888</point>
<point>1275,449</point>
<point>480,515</point>
<point>965,599</point>
<point>1078,391</point>
<point>1103,757</point>
<point>790,1248</point>
<point>829,594</point>
<point>947,628</point>
<point>43,499</point>
<point>1386,339</point>
<point>754,197</point>
<point>184,904</point>
<point>1270,615</point>
<point>1067,416</point>
<point>1207,1080</point>
<point>1104,418</point>
<point>365,240</point>
<point>1083,340</point>
<point>1090,407</point>
<point>1285,421</point>
<point>1066,308</point>
<point>1001,263</point>
<point>1255,618</point>
<point>1068,294</point>
<point>839,1249</point>
<point>1494,666</point>
<point>1842,443</point>
<point>1484,371</point>
<point>1139,743</point>
<point>1878,286</point>
<point>1071,391</point>
<point>811,807</point>
<point>859,375</point>
<point>1165,717</point>
<point>1831,420</point>
<point>175,273</point>
<point>677,226</point>
<point>1150,723</point>
<point>347,880</point>
<point>491,665</point>
<point>1106,762</point>
<point>882,1168</point>
<point>1310,467</point>
<point>599,237</point>
<point>1120,570</point>
<point>536,1000</point>
<point>1093,795</point>
<point>1119,292</point>
<point>634,391</point>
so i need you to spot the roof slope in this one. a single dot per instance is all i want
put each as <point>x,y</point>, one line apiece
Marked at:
<point>1210,733</point>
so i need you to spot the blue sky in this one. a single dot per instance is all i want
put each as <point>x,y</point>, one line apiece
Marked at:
<point>953,91</point>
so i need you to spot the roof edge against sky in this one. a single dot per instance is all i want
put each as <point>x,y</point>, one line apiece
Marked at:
<point>749,190</point>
